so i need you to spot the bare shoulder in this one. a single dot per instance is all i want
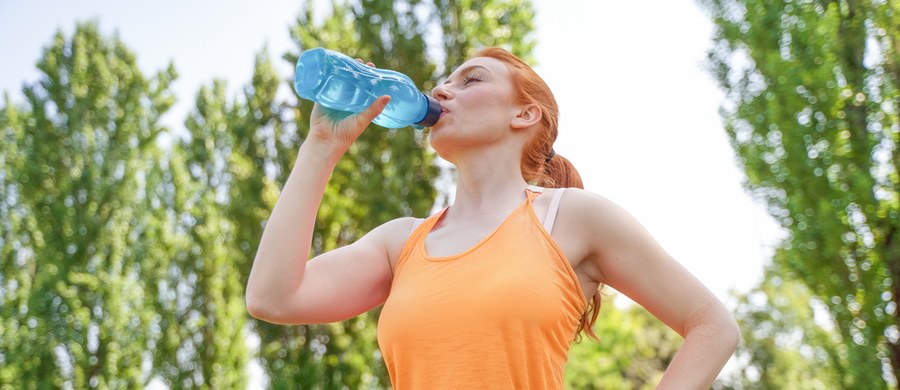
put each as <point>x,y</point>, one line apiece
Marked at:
<point>394,231</point>
<point>589,210</point>
<point>599,224</point>
<point>396,226</point>
<point>392,234</point>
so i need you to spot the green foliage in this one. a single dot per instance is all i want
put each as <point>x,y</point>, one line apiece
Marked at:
<point>633,351</point>
<point>812,111</point>
<point>75,311</point>
<point>203,313</point>
<point>469,25</point>
<point>785,342</point>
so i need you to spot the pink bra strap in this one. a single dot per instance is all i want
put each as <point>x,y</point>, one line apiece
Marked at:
<point>552,210</point>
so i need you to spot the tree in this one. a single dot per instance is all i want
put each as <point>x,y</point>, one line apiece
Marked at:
<point>204,316</point>
<point>75,313</point>
<point>633,351</point>
<point>812,111</point>
<point>468,24</point>
<point>785,343</point>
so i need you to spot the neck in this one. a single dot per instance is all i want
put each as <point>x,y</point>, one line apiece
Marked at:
<point>488,183</point>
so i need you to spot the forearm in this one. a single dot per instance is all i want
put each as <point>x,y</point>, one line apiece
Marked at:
<point>707,347</point>
<point>284,248</point>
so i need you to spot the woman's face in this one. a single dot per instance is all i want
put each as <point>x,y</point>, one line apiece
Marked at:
<point>478,104</point>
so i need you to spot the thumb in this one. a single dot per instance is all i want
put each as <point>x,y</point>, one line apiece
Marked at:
<point>374,109</point>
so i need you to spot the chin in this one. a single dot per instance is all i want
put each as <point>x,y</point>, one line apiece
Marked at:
<point>441,143</point>
<point>434,139</point>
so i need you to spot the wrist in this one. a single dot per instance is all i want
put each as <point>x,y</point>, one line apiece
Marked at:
<point>321,152</point>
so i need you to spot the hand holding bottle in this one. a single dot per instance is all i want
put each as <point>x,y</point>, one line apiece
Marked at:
<point>338,129</point>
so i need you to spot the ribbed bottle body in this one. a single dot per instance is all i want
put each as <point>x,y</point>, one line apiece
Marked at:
<point>339,82</point>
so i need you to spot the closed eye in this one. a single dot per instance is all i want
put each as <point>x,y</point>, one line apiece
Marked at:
<point>471,78</point>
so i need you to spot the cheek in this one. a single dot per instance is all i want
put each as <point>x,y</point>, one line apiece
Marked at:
<point>485,109</point>
<point>484,99</point>
<point>490,101</point>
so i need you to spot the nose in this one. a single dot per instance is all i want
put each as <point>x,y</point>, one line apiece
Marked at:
<point>440,92</point>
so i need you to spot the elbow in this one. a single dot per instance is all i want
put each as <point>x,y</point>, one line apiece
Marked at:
<point>260,307</point>
<point>259,300</point>
<point>273,311</point>
<point>255,306</point>
<point>719,327</point>
<point>731,333</point>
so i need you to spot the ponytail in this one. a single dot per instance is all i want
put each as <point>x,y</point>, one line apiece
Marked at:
<point>558,172</point>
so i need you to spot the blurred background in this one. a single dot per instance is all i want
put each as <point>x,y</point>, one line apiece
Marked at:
<point>143,146</point>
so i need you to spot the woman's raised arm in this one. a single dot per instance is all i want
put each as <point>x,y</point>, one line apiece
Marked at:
<point>282,287</point>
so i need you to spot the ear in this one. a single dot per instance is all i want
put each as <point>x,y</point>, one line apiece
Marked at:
<point>528,115</point>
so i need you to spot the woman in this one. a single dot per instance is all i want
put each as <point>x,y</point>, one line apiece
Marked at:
<point>490,292</point>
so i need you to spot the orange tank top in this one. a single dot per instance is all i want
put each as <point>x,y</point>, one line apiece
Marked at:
<point>500,315</point>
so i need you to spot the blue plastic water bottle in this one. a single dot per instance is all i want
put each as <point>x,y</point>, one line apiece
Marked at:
<point>339,82</point>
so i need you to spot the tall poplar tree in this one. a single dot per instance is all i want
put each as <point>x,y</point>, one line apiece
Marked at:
<point>75,313</point>
<point>812,109</point>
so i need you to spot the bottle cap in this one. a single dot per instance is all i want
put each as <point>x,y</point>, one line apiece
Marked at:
<point>432,113</point>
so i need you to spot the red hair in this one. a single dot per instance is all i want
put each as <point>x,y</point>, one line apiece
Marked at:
<point>540,164</point>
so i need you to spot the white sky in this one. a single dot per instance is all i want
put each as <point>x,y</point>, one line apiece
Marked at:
<point>639,114</point>
<point>639,119</point>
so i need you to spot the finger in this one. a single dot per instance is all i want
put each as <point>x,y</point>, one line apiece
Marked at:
<point>370,64</point>
<point>374,109</point>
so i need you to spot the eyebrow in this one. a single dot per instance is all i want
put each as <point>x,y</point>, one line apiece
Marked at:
<point>466,70</point>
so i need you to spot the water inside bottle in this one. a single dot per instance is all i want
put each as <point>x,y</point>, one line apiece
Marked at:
<point>344,84</point>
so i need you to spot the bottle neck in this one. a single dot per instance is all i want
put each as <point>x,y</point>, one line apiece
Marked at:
<point>432,112</point>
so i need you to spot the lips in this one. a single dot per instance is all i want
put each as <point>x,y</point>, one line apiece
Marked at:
<point>443,111</point>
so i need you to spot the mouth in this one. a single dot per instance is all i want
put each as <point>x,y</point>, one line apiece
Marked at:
<point>441,115</point>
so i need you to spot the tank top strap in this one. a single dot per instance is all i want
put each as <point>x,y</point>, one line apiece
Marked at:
<point>418,234</point>
<point>533,192</point>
